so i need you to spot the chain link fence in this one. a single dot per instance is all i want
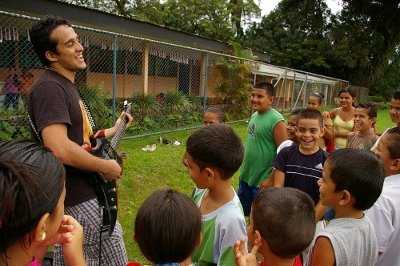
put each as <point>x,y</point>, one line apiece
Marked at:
<point>169,85</point>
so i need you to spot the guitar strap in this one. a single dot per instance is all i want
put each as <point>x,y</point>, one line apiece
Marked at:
<point>106,223</point>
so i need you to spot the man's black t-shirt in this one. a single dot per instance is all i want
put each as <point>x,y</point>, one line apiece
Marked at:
<point>54,99</point>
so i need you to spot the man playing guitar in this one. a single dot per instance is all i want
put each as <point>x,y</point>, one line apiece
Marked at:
<point>58,116</point>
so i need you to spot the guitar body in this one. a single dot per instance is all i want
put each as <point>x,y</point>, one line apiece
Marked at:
<point>106,191</point>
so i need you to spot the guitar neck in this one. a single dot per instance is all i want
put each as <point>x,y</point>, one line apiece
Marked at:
<point>121,128</point>
<point>118,135</point>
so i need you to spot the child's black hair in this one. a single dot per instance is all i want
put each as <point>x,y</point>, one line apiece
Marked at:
<point>168,227</point>
<point>218,146</point>
<point>358,171</point>
<point>285,218</point>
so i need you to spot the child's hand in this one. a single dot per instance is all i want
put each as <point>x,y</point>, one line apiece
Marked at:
<point>243,257</point>
<point>71,240</point>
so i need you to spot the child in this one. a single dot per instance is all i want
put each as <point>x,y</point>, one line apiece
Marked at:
<point>266,131</point>
<point>327,142</point>
<point>281,226</point>
<point>290,130</point>
<point>394,113</point>
<point>300,166</point>
<point>213,154</point>
<point>364,137</point>
<point>292,139</point>
<point>349,188</point>
<point>385,214</point>
<point>168,228</point>
<point>213,115</point>
<point>32,216</point>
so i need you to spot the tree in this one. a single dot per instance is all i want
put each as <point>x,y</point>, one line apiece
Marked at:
<point>389,80</point>
<point>234,73</point>
<point>294,35</point>
<point>370,32</point>
<point>356,45</point>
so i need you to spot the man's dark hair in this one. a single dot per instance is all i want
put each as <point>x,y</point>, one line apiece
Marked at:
<point>40,36</point>
<point>267,86</point>
<point>285,218</point>
<point>309,113</point>
<point>363,178</point>
<point>167,227</point>
<point>218,146</point>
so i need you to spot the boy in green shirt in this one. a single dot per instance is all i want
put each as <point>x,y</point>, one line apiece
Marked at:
<point>213,154</point>
<point>266,131</point>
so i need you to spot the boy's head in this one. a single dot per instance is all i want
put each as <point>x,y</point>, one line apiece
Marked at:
<point>262,96</point>
<point>168,227</point>
<point>278,214</point>
<point>394,108</point>
<point>358,184</point>
<point>364,116</point>
<point>309,128</point>
<point>292,123</point>
<point>214,148</point>
<point>213,115</point>
<point>388,151</point>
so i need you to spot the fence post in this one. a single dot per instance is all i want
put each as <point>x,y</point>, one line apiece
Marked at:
<point>205,82</point>
<point>114,77</point>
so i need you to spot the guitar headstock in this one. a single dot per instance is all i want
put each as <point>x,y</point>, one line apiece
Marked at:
<point>127,107</point>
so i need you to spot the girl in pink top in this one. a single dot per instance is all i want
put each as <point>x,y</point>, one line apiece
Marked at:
<point>32,193</point>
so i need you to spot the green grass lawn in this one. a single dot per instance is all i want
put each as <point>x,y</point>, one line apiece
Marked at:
<point>145,172</point>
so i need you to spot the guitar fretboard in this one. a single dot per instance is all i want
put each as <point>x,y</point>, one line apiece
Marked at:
<point>121,127</point>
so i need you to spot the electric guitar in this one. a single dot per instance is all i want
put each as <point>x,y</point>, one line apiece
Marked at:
<point>106,191</point>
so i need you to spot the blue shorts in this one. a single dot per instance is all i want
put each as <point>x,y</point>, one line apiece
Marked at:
<point>246,195</point>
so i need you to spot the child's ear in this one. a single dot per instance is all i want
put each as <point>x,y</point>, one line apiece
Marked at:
<point>323,130</point>
<point>346,198</point>
<point>395,165</point>
<point>40,230</point>
<point>373,120</point>
<point>209,172</point>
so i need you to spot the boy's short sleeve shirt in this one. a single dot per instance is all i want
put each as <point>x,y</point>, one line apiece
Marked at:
<point>221,228</point>
<point>353,241</point>
<point>301,171</point>
<point>385,216</point>
<point>260,147</point>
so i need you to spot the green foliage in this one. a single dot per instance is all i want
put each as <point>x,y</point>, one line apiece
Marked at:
<point>98,100</point>
<point>295,35</point>
<point>179,110</point>
<point>14,127</point>
<point>356,45</point>
<point>389,81</point>
<point>235,83</point>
